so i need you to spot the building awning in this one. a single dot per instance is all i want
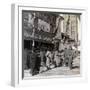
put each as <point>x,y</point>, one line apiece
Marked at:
<point>38,36</point>
<point>38,40</point>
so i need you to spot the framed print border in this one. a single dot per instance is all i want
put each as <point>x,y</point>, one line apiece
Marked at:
<point>16,43</point>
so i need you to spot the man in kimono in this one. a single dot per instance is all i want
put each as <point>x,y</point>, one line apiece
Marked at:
<point>68,54</point>
<point>32,62</point>
<point>48,58</point>
<point>57,58</point>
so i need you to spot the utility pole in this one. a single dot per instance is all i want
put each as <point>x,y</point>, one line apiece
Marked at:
<point>67,25</point>
<point>77,28</point>
<point>33,34</point>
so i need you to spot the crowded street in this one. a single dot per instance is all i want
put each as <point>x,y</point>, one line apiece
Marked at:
<point>59,70</point>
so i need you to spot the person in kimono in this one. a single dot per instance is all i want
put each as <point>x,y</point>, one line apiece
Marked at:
<point>33,62</point>
<point>56,58</point>
<point>48,59</point>
<point>68,57</point>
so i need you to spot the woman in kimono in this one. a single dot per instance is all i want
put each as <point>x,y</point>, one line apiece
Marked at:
<point>56,58</point>
<point>48,59</point>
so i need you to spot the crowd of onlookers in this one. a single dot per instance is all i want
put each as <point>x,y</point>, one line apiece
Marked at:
<point>48,58</point>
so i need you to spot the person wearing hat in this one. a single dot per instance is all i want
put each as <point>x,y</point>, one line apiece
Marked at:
<point>32,61</point>
<point>68,56</point>
<point>48,58</point>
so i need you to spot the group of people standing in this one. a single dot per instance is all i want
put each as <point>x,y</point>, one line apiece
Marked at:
<point>50,58</point>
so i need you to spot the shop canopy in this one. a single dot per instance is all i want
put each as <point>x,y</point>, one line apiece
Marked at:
<point>38,35</point>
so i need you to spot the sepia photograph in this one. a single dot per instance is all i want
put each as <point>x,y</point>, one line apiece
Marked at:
<point>50,43</point>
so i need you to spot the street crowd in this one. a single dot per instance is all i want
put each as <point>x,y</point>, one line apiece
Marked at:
<point>47,59</point>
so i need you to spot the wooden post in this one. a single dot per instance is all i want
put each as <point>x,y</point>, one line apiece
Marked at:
<point>33,34</point>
